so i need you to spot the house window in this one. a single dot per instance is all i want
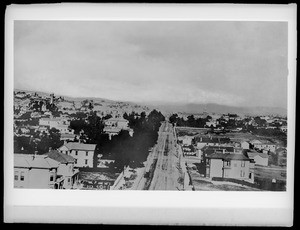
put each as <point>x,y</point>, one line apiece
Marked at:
<point>51,178</point>
<point>86,153</point>
<point>227,163</point>
<point>86,161</point>
<point>75,161</point>
<point>22,176</point>
<point>243,163</point>
<point>16,175</point>
<point>242,174</point>
<point>250,174</point>
<point>76,153</point>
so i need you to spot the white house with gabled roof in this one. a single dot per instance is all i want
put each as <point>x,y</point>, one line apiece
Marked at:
<point>83,153</point>
<point>259,158</point>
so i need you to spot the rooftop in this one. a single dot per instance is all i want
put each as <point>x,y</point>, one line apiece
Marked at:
<point>80,146</point>
<point>229,156</point>
<point>115,119</point>
<point>60,157</point>
<point>213,148</point>
<point>254,153</point>
<point>34,161</point>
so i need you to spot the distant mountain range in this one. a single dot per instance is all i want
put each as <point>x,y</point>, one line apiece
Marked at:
<point>221,109</point>
<point>188,108</point>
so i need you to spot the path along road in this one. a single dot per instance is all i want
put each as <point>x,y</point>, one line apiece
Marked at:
<point>165,168</point>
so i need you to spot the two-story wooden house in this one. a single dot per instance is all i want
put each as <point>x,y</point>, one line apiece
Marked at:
<point>82,153</point>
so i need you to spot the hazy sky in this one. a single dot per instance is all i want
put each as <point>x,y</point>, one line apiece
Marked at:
<point>231,63</point>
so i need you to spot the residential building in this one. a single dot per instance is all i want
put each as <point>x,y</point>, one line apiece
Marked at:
<point>213,141</point>
<point>119,122</point>
<point>259,158</point>
<point>68,137</point>
<point>186,140</point>
<point>263,145</point>
<point>212,123</point>
<point>35,171</point>
<point>53,122</point>
<point>281,155</point>
<point>236,166</point>
<point>245,145</point>
<point>114,125</point>
<point>83,153</point>
<point>66,171</point>
<point>64,129</point>
<point>283,128</point>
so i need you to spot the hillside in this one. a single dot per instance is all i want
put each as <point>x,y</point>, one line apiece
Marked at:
<point>106,105</point>
<point>221,109</point>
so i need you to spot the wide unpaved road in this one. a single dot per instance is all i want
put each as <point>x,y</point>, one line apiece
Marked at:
<point>163,167</point>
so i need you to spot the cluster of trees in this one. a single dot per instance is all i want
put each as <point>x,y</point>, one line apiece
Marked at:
<point>40,142</point>
<point>123,148</point>
<point>191,121</point>
<point>274,133</point>
<point>37,105</point>
<point>127,150</point>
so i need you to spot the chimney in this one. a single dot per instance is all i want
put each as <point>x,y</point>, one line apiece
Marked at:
<point>34,156</point>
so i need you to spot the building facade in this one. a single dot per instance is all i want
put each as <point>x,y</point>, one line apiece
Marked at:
<point>66,171</point>
<point>82,153</point>
<point>35,171</point>
<point>236,166</point>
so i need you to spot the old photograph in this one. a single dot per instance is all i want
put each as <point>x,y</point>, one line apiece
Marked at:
<point>141,105</point>
<point>187,106</point>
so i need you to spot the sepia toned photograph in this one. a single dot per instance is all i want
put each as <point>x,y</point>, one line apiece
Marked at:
<point>187,106</point>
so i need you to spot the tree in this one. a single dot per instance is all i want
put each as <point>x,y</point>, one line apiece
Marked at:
<point>77,125</point>
<point>54,139</point>
<point>260,122</point>
<point>125,116</point>
<point>106,117</point>
<point>91,106</point>
<point>173,118</point>
<point>94,127</point>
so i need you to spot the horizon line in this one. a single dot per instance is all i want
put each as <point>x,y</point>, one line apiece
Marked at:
<point>155,102</point>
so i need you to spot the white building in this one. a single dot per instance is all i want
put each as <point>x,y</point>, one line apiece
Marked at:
<point>236,166</point>
<point>54,122</point>
<point>119,122</point>
<point>186,140</point>
<point>35,171</point>
<point>64,129</point>
<point>245,145</point>
<point>66,170</point>
<point>259,158</point>
<point>83,153</point>
<point>113,126</point>
<point>283,128</point>
<point>263,145</point>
